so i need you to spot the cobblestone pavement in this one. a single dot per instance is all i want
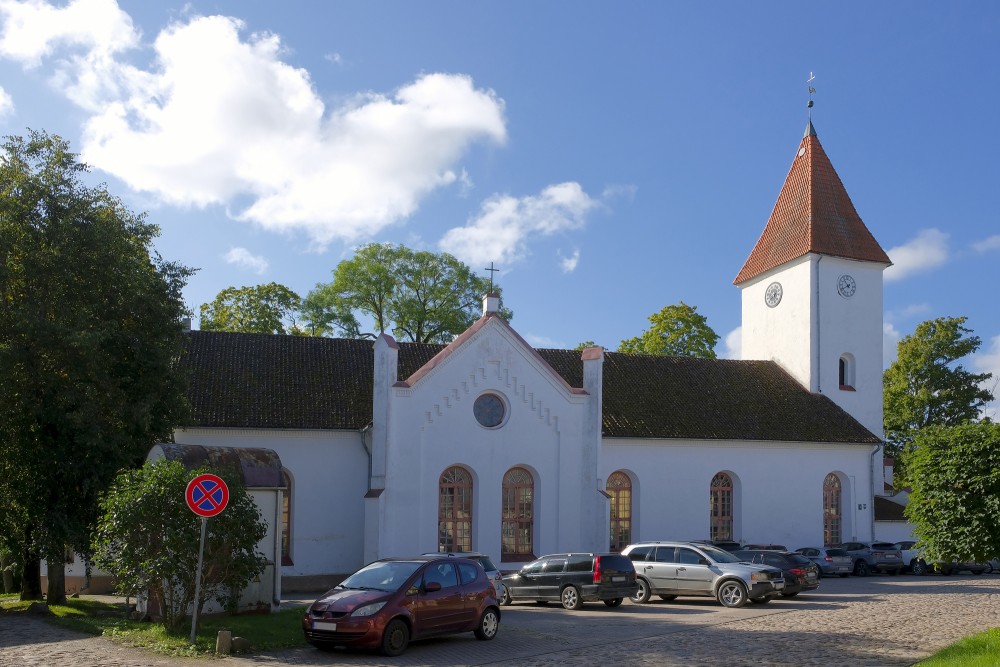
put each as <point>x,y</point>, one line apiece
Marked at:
<point>891,621</point>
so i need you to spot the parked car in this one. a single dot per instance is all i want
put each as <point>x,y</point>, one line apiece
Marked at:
<point>993,565</point>
<point>572,579</point>
<point>672,569</point>
<point>390,602</point>
<point>921,567</point>
<point>830,560</point>
<point>908,552</point>
<point>764,547</point>
<point>492,573</point>
<point>877,556</point>
<point>801,574</point>
<point>725,545</point>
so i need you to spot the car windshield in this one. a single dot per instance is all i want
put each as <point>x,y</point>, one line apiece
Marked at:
<point>719,555</point>
<point>381,576</point>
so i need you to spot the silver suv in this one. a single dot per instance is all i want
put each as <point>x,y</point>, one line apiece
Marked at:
<point>671,569</point>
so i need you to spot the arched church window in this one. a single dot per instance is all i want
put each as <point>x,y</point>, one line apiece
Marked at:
<point>847,372</point>
<point>619,487</point>
<point>832,517</point>
<point>286,520</point>
<point>721,526</point>
<point>455,510</point>
<point>518,520</point>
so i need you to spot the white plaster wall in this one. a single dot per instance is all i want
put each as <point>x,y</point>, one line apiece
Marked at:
<point>432,427</point>
<point>779,488</point>
<point>784,333</point>
<point>329,471</point>
<point>852,325</point>
<point>893,531</point>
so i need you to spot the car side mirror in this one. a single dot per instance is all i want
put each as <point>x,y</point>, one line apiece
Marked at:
<point>703,561</point>
<point>432,586</point>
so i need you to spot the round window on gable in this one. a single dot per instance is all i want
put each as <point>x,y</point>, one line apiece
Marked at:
<point>489,410</point>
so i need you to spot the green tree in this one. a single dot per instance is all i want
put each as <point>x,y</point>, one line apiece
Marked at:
<point>148,538</point>
<point>90,332</point>
<point>955,498</point>
<point>420,296</point>
<point>675,331</point>
<point>927,386</point>
<point>269,309</point>
<point>585,344</point>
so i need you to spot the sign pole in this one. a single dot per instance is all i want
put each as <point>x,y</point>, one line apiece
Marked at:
<point>197,581</point>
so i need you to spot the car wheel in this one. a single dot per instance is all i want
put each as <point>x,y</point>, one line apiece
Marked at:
<point>614,603</point>
<point>761,600</point>
<point>489,623</point>
<point>919,568</point>
<point>505,598</point>
<point>668,598</point>
<point>732,594</point>
<point>861,568</point>
<point>570,598</point>
<point>978,571</point>
<point>945,570</point>
<point>790,595</point>
<point>395,638</point>
<point>641,596</point>
<point>989,569</point>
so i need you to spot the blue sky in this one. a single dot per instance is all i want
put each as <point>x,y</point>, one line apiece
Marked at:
<point>611,158</point>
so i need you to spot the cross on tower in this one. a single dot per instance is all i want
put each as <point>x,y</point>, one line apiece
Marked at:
<point>492,271</point>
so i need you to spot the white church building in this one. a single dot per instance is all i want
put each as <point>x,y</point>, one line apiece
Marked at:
<point>488,444</point>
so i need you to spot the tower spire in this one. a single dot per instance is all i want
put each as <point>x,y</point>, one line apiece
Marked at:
<point>810,130</point>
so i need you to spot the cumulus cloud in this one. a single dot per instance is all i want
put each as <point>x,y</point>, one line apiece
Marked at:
<point>988,361</point>
<point>733,342</point>
<point>927,251</point>
<point>6,103</point>
<point>992,243</point>
<point>244,258</point>
<point>505,225</point>
<point>219,119</point>
<point>568,264</point>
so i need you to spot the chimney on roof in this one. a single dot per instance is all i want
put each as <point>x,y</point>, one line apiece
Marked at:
<point>491,304</point>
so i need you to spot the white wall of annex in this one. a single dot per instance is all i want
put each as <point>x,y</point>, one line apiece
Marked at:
<point>329,471</point>
<point>778,495</point>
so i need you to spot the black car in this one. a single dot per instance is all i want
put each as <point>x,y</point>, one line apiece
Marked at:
<point>573,579</point>
<point>801,574</point>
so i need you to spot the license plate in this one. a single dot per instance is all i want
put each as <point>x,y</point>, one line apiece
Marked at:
<point>617,578</point>
<point>324,625</point>
<point>810,575</point>
<point>779,585</point>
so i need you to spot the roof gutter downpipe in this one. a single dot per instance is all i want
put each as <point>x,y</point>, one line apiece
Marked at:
<point>365,432</point>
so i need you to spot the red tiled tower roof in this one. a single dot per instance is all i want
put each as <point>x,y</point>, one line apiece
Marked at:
<point>814,214</point>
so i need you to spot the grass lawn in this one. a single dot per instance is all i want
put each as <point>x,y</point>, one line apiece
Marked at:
<point>980,650</point>
<point>265,631</point>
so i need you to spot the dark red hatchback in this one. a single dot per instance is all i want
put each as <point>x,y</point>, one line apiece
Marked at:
<point>389,602</point>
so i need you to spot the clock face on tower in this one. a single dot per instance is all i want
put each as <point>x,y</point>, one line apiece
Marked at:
<point>772,295</point>
<point>489,410</point>
<point>846,286</point>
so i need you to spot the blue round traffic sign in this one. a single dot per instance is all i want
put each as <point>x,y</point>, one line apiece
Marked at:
<point>207,495</point>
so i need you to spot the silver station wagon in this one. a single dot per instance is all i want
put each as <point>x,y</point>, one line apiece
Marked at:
<point>673,569</point>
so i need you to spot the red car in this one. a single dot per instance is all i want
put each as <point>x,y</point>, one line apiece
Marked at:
<point>389,602</point>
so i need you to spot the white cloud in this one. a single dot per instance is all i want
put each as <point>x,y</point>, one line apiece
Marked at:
<point>988,361</point>
<point>890,342</point>
<point>626,192</point>
<point>927,251</point>
<point>734,344</point>
<point>35,29</point>
<point>992,243</point>
<point>243,257</point>
<point>544,343</point>
<point>6,103</point>
<point>334,58</point>
<point>505,225</point>
<point>568,264</point>
<point>217,119</point>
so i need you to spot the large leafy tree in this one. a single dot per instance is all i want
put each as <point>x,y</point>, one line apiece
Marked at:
<point>90,334</point>
<point>269,308</point>
<point>955,499</point>
<point>675,331</point>
<point>148,538</point>
<point>419,296</point>
<point>927,385</point>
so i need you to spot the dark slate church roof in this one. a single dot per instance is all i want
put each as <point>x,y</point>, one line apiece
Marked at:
<point>293,382</point>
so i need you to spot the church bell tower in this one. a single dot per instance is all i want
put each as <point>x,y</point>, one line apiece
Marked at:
<point>812,289</point>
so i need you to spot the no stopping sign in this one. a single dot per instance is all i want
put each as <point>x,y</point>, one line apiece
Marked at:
<point>207,495</point>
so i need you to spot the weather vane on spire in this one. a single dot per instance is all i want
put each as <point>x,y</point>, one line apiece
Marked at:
<point>812,77</point>
<point>492,271</point>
